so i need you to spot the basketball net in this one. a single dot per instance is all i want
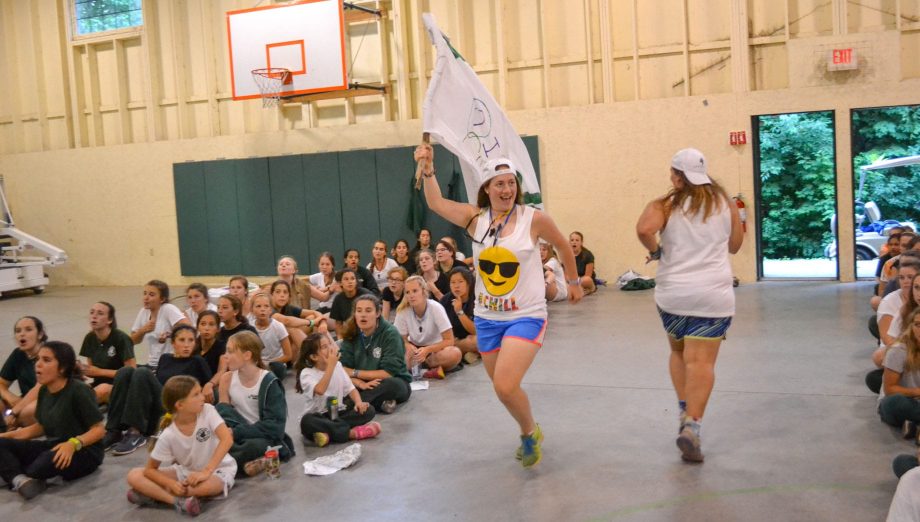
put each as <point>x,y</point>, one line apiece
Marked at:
<point>270,82</point>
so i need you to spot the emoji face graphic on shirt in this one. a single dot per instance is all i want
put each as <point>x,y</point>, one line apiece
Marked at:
<point>499,269</point>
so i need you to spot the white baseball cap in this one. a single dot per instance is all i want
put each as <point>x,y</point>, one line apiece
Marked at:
<point>490,170</point>
<point>693,164</point>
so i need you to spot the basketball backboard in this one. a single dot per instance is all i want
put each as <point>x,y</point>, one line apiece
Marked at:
<point>306,37</point>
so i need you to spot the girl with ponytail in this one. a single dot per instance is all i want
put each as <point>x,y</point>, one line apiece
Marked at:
<point>193,443</point>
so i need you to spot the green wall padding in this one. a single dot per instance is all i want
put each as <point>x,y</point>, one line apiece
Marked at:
<point>239,216</point>
<point>192,217</point>
<point>289,210</point>
<point>324,206</point>
<point>223,224</point>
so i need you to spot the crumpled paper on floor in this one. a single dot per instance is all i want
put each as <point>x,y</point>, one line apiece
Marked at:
<point>418,385</point>
<point>331,463</point>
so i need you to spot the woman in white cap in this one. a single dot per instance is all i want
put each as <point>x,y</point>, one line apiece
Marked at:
<point>510,313</point>
<point>698,226</point>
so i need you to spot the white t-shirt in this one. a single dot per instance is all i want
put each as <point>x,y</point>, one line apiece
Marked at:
<point>425,330</point>
<point>319,281</point>
<point>562,290</point>
<point>905,505</point>
<point>891,305</point>
<point>381,276</point>
<point>246,400</point>
<point>195,451</point>
<point>193,315</point>
<point>271,337</point>
<point>167,317</point>
<point>340,386</point>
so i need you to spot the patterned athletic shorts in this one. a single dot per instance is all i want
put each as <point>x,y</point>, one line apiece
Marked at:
<point>681,326</point>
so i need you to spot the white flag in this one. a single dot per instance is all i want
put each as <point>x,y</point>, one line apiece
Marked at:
<point>460,114</point>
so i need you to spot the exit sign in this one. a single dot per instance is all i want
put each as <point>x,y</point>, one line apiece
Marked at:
<point>841,59</point>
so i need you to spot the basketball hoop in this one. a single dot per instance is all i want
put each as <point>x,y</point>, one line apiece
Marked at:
<point>270,82</point>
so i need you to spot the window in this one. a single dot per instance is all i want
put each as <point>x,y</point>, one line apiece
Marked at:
<point>96,16</point>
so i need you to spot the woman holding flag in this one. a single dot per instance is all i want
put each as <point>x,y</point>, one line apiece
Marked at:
<point>510,313</point>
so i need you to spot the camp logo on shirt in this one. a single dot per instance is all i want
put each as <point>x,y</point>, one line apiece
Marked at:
<point>378,351</point>
<point>253,397</point>
<point>111,351</point>
<point>497,304</point>
<point>203,434</point>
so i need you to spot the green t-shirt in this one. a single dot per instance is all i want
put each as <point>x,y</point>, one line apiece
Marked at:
<point>19,368</point>
<point>69,412</point>
<point>109,354</point>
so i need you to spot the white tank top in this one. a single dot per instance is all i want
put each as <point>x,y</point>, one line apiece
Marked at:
<point>509,282</point>
<point>694,274</point>
<point>246,400</point>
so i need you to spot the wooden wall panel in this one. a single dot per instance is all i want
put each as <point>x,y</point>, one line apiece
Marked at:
<point>170,81</point>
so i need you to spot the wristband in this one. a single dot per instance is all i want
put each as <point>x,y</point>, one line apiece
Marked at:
<point>9,413</point>
<point>354,373</point>
<point>311,323</point>
<point>460,313</point>
<point>77,443</point>
<point>656,255</point>
<point>428,174</point>
<point>573,281</point>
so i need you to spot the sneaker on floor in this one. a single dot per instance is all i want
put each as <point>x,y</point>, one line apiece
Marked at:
<point>909,429</point>
<point>31,488</point>
<point>388,407</point>
<point>188,506</point>
<point>112,437</point>
<point>139,499</point>
<point>531,453</point>
<point>538,433</point>
<point>321,439</point>
<point>366,431</point>
<point>470,357</point>
<point>682,421</point>
<point>434,373</point>
<point>689,443</point>
<point>129,444</point>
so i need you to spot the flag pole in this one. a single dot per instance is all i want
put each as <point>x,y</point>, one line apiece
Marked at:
<point>421,165</point>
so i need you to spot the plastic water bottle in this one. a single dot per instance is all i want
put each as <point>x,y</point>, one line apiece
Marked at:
<point>332,403</point>
<point>416,372</point>
<point>272,462</point>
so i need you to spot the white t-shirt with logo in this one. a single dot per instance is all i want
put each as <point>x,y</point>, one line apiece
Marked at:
<point>425,330</point>
<point>340,386</point>
<point>271,337</point>
<point>167,316</point>
<point>193,452</point>
<point>246,400</point>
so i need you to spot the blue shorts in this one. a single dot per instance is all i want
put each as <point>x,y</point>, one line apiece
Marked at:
<point>681,326</point>
<point>489,334</point>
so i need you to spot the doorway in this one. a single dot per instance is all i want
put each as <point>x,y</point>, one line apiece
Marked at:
<point>884,194</point>
<point>795,195</point>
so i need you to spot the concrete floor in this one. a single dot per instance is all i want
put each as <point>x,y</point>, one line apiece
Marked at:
<point>791,432</point>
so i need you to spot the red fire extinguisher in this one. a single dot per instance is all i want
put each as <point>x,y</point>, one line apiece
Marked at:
<point>742,212</point>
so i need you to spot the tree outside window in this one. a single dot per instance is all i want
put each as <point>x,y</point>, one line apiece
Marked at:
<point>96,16</point>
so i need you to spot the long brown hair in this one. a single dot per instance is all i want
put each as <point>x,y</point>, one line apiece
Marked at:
<point>309,346</point>
<point>911,343</point>
<point>910,304</point>
<point>708,198</point>
<point>176,388</point>
<point>482,199</point>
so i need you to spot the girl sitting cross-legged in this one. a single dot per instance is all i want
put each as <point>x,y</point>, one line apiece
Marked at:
<point>193,444</point>
<point>321,377</point>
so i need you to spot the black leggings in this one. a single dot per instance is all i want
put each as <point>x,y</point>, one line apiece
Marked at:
<point>35,459</point>
<point>391,388</point>
<point>337,429</point>
<point>135,401</point>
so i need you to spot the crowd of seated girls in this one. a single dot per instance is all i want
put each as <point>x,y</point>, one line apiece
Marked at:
<point>896,328</point>
<point>218,370</point>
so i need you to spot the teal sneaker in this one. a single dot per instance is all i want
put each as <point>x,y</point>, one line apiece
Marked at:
<point>531,453</point>
<point>538,434</point>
